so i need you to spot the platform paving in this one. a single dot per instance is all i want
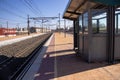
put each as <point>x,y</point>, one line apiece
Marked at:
<point>61,63</point>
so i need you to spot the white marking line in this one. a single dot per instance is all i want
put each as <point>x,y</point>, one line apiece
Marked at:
<point>55,63</point>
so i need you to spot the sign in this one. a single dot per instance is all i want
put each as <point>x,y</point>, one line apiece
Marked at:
<point>108,2</point>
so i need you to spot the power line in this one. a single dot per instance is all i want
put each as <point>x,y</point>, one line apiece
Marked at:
<point>27,4</point>
<point>36,7</point>
<point>4,19</point>
<point>9,5</point>
<point>10,12</point>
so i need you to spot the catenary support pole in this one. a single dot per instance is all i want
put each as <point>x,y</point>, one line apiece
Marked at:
<point>28,27</point>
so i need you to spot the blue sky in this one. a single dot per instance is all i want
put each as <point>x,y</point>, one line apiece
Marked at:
<point>16,11</point>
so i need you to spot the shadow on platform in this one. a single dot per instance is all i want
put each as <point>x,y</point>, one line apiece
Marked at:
<point>8,67</point>
<point>60,51</point>
<point>65,64</point>
<point>61,44</point>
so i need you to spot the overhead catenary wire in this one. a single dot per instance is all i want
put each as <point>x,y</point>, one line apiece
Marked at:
<point>11,6</point>
<point>7,8</point>
<point>22,1</point>
<point>10,12</point>
<point>28,5</point>
<point>11,20</point>
<point>35,6</point>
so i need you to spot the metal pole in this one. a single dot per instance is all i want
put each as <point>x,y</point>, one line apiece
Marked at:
<point>97,25</point>
<point>18,28</point>
<point>28,26</point>
<point>34,23</point>
<point>59,21</point>
<point>46,29</point>
<point>65,27</point>
<point>7,27</point>
<point>111,33</point>
<point>42,25</point>
<point>117,23</point>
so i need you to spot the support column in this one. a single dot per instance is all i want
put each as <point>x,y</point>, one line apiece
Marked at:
<point>89,35</point>
<point>77,30</point>
<point>75,42</point>
<point>117,23</point>
<point>97,25</point>
<point>111,33</point>
<point>28,27</point>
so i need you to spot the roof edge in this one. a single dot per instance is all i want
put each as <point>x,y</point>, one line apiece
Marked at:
<point>68,4</point>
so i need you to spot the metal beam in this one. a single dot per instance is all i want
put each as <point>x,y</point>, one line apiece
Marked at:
<point>75,42</point>
<point>117,23</point>
<point>77,28</point>
<point>43,18</point>
<point>111,33</point>
<point>70,18</point>
<point>73,12</point>
<point>98,26</point>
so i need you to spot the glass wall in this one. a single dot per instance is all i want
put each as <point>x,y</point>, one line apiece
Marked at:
<point>80,24</point>
<point>94,26</point>
<point>85,22</point>
<point>99,21</point>
<point>103,25</point>
<point>117,21</point>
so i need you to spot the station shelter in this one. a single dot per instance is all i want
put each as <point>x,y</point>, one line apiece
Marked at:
<point>96,29</point>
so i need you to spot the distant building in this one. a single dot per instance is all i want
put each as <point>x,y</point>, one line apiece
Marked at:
<point>21,31</point>
<point>38,29</point>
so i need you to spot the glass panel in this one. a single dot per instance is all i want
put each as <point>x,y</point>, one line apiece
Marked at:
<point>115,23</point>
<point>85,21</point>
<point>94,26</point>
<point>80,23</point>
<point>118,23</point>
<point>102,25</point>
<point>99,21</point>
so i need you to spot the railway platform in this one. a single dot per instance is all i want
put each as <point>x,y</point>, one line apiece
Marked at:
<point>59,62</point>
<point>12,39</point>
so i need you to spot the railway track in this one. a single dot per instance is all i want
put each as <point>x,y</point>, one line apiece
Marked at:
<point>14,68</point>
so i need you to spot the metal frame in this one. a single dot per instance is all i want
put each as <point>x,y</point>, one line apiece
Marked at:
<point>82,35</point>
<point>74,39</point>
<point>117,23</point>
<point>89,34</point>
<point>111,33</point>
<point>78,28</point>
<point>73,12</point>
<point>98,27</point>
<point>76,35</point>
